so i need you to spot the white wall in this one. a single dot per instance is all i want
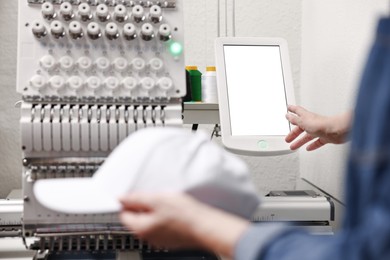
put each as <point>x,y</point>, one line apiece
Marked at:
<point>262,18</point>
<point>254,18</point>
<point>10,151</point>
<point>336,36</point>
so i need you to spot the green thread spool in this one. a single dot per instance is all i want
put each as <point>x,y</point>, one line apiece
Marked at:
<point>196,82</point>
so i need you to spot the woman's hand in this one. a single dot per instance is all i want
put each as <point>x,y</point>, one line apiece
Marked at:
<point>319,129</point>
<point>179,221</point>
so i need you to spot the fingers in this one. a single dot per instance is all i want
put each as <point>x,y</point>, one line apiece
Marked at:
<point>294,134</point>
<point>136,222</point>
<point>304,121</point>
<point>298,110</point>
<point>293,119</point>
<point>315,145</point>
<point>305,139</point>
<point>138,201</point>
<point>295,115</point>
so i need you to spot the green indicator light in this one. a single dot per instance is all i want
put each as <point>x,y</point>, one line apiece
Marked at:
<point>176,48</point>
<point>262,144</point>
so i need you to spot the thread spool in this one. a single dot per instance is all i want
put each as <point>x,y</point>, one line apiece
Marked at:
<point>196,82</point>
<point>209,86</point>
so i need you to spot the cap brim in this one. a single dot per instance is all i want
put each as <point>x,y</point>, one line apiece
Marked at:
<point>75,196</point>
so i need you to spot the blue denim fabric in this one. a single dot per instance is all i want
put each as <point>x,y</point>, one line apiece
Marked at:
<point>366,229</point>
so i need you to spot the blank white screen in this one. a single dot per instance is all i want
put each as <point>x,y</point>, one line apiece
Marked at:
<point>256,92</point>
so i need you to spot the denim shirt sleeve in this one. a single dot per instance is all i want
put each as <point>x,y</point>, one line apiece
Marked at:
<point>256,238</point>
<point>366,229</point>
<point>277,241</point>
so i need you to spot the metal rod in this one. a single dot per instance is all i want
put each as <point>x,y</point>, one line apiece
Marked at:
<point>234,18</point>
<point>219,19</point>
<point>226,17</point>
<point>83,233</point>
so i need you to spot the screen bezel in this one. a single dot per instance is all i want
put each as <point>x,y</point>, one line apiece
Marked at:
<point>251,144</point>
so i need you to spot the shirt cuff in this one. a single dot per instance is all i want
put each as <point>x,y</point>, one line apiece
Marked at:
<point>256,238</point>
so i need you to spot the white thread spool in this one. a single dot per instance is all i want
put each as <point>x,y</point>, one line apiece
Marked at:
<point>209,86</point>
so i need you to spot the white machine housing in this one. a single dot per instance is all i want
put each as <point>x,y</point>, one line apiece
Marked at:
<point>91,72</point>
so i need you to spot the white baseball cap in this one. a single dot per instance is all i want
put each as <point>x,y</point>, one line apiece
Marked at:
<point>157,160</point>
